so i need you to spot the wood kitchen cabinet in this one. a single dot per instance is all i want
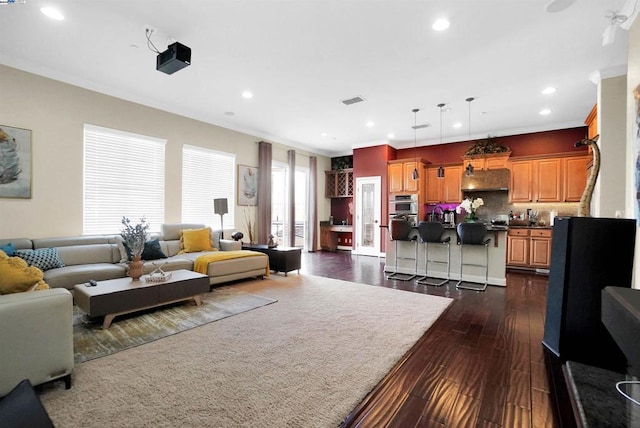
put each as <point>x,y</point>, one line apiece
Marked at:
<point>529,248</point>
<point>330,236</point>
<point>540,248</point>
<point>592,122</point>
<point>518,247</point>
<point>521,186</point>
<point>339,184</point>
<point>576,172</point>
<point>536,180</point>
<point>444,190</point>
<point>400,178</point>
<point>488,161</point>
<point>547,184</point>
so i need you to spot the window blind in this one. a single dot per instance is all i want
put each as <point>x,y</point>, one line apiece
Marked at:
<point>207,175</point>
<point>123,176</point>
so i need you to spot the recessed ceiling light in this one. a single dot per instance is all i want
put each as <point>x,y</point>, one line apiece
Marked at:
<point>52,13</point>
<point>545,112</point>
<point>229,113</point>
<point>370,124</point>
<point>441,24</point>
<point>558,5</point>
<point>457,125</point>
<point>548,90</point>
<point>324,134</point>
<point>246,94</point>
<point>390,135</point>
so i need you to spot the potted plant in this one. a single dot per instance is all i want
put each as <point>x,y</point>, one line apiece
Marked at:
<point>134,237</point>
<point>470,207</point>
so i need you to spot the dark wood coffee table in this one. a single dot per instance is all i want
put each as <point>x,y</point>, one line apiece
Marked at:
<point>281,259</point>
<point>123,295</point>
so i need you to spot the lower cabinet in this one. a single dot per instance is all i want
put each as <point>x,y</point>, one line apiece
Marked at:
<point>529,248</point>
<point>334,237</point>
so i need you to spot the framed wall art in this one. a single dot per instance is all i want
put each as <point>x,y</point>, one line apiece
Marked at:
<point>15,162</point>
<point>247,185</point>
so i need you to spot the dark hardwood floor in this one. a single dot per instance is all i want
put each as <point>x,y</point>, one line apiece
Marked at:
<point>481,364</point>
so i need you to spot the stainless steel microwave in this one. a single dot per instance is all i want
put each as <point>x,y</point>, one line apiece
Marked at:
<point>403,204</point>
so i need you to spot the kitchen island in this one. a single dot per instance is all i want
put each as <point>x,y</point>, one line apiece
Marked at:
<point>472,254</point>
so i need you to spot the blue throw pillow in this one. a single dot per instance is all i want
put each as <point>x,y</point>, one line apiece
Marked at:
<point>153,251</point>
<point>43,258</point>
<point>9,249</point>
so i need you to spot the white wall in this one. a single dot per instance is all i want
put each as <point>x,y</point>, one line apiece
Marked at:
<point>609,196</point>
<point>633,144</point>
<point>56,113</point>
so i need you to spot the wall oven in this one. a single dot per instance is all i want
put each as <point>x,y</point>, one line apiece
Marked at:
<point>403,204</point>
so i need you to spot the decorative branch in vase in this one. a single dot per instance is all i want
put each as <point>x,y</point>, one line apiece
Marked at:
<point>134,237</point>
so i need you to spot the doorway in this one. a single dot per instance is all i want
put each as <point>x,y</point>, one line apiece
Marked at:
<point>368,211</point>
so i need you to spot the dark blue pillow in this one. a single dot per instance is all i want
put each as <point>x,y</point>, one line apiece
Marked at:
<point>9,249</point>
<point>152,250</point>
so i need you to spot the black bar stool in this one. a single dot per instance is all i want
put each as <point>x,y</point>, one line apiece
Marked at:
<point>399,229</point>
<point>431,233</point>
<point>473,234</point>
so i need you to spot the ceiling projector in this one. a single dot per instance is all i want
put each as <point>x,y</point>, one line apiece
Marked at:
<point>176,57</point>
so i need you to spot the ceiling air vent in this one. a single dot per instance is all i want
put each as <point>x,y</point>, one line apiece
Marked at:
<point>424,125</point>
<point>353,100</point>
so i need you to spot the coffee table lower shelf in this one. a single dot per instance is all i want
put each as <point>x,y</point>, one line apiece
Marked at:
<point>122,296</point>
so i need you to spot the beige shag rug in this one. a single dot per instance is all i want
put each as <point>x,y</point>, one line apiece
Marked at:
<point>304,361</point>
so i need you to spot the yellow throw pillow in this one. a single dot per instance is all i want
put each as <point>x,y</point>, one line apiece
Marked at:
<point>16,276</point>
<point>194,240</point>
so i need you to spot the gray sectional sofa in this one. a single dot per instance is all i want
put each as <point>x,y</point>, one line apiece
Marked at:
<point>99,257</point>
<point>36,339</point>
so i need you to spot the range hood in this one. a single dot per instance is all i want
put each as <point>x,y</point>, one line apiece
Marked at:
<point>486,180</point>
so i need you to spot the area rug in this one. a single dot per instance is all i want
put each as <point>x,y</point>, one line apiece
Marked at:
<point>91,341</point>
<point>306,361</point>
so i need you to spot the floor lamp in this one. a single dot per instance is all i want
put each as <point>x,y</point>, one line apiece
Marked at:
<point>220,207</point>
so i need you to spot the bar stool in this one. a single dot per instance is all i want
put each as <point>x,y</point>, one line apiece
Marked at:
<point>399,229</point>
<point>431,233</point>
<point>473,234</point>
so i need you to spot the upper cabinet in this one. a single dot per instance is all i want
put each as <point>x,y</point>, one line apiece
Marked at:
<point>560,179</point>
<point>444,190</point>
<point>592,122</point>
<point>400,176</point>
<point>576,172</point>
<point>338,184</point>
<point>488,161</point>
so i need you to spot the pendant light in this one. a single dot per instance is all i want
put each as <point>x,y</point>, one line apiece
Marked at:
<point>440,168</point>
<point>414,174</point>
<point>469,169</point>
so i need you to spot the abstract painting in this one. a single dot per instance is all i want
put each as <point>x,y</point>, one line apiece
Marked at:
<point>15,162</point>
<point>247,185</point>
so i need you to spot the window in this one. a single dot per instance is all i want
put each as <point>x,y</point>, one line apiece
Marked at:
<point>123,176</point>
<point>207,175</point>
<point>280,203</point>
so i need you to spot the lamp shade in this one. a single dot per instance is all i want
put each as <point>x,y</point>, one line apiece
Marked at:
<point>220,206</point>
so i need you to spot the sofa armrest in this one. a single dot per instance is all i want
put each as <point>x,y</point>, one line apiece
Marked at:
<point>229,245</point>
<point>36,337</point>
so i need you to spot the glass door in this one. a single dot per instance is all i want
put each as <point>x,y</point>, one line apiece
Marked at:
<point>280,220</point>
<point>368,211</point>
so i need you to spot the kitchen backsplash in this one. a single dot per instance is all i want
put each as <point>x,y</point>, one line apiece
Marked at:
<point>497,203</point>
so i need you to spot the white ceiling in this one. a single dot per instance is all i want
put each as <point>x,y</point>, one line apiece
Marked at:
<point>301,58</point>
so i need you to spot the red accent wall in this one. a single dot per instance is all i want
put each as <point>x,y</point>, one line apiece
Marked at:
<point>534,144</point>
<point>372,162</point>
